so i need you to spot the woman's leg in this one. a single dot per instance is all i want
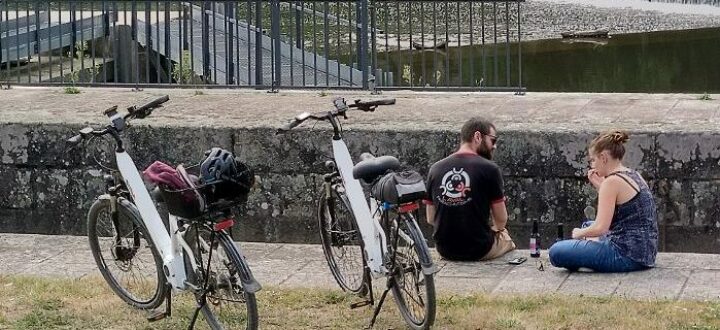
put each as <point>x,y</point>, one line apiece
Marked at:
<point>600,256</point>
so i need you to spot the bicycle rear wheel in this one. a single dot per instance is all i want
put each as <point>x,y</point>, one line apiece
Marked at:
<point>414,291</point>
<point>226,302</point>
<point>125,254</point>
<point>341,241</point>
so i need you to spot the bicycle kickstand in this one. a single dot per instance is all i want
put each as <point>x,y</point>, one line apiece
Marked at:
<point>390,283</point>
<point>200,304</point>
<point>157,314</point>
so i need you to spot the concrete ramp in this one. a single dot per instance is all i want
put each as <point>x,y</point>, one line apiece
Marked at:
<point>298,68</point>
<point>23,37</point>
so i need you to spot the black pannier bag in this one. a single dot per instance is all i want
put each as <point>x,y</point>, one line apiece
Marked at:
<point>399,187</point>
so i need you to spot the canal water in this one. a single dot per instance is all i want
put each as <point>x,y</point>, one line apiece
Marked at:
<point>685,61</point>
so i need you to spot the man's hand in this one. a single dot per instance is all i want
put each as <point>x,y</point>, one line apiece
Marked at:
<point>577,233</point>
<point>595,179</point>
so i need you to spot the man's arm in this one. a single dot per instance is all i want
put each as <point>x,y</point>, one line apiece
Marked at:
<point>499,215</point>
<point>430,213</point>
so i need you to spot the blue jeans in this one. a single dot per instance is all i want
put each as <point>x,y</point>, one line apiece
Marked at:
<point>600,256</point>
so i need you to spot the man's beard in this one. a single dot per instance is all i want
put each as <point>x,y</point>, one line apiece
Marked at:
<point>484,152</point>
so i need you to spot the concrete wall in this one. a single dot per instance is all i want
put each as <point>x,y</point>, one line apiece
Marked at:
<point>44,188</point>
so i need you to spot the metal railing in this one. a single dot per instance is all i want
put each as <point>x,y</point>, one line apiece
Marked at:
<point>365,44</point>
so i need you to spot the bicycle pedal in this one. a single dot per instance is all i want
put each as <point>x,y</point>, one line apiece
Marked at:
<point>360,304</point>
<point>156,315</point>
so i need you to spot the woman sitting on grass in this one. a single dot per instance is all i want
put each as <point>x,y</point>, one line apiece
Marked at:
<point>624,235</point>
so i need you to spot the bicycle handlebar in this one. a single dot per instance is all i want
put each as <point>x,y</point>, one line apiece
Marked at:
<point>118,123</point>
<point>146,110</point>
<point>340,108</point>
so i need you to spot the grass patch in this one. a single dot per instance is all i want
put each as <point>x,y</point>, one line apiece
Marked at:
<point>72,90</point>
<point>705,97</point>
<point>42,303</point>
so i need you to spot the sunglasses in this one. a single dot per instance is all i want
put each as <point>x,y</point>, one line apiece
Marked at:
<point>493,138</point>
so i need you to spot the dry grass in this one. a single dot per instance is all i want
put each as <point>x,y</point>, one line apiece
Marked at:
<point>41,303</point>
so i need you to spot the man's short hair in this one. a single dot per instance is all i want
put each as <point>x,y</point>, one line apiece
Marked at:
<point>475,124</point>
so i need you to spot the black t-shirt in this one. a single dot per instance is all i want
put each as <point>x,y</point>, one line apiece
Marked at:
<point>462,187</point>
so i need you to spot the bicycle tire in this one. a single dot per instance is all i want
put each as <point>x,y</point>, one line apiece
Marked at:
<point>401,294</point>
<point>131,232</point>
<point>236,261</point>
<point>338,226</point>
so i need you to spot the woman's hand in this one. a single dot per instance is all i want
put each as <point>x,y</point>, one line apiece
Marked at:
<point>595,179</point>
<point>577,233</point>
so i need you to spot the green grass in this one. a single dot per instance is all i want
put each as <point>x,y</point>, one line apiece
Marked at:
<point>42,303</point>
<point>705,97</point>
<point>72,90</point>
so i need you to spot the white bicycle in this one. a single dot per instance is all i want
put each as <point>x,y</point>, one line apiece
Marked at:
<point>362,240</point>
<point>143,262</point>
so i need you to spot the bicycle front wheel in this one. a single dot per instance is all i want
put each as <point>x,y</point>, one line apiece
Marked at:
<point>341,241</point>
<point>218,276</point>
<point>125,253</point>
<point>414,291</point>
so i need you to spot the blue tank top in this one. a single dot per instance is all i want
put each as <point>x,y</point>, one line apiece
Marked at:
<point>634,230</point>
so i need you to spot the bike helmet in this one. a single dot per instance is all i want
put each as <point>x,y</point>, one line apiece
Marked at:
<point>226,178</point>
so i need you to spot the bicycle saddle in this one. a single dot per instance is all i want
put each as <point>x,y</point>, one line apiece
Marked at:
<point>370,167</point>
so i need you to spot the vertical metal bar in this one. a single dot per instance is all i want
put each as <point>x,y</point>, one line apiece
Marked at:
<point>73,36</point>
<point>92,39</point>
<point>472,46</point>
<point>205,42</point>
<point>507,43</point>
<point>156,45</point>
<point>17,69</point>
<point>106,33</point>
<point>248,17</point>
<point>401,62</point>
<point>519,49</point>
<point>482,41</point>
<point>258,44</point>
<point>192,40</point>
<point>115,44</point>
<point>236,13</point>
<point>447,43</point>
<point>229,35</point>
<point>134,34</point>
<point>302,41</point>
<point>459,50</point>
<point>17,41</point>
<point>350,43</point>
<point>37,40</point>
<point>185,32</point>
<point>495,49</point>
<point>338,28</point>
<point>182,30</point>
<point>387,42</point>
<point>148,39</point>
<point>422,42</point>
<point>298,25</point>
<point>326,42</point>
<point>168,46</point>
<point>294,22</point>
<point>314,41</point>
<point>214,42</point>
<point>50,48</point>
<point>410,34</point>
<point>82,40</point>
<point>27,40</point>
<point>373,42</point>
<point>276,42</point>
<point>435,53</point>
<point>2,74</point>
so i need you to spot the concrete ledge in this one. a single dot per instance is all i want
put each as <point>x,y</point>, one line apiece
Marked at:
<point>678,276</point>
<point>543,136</point>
